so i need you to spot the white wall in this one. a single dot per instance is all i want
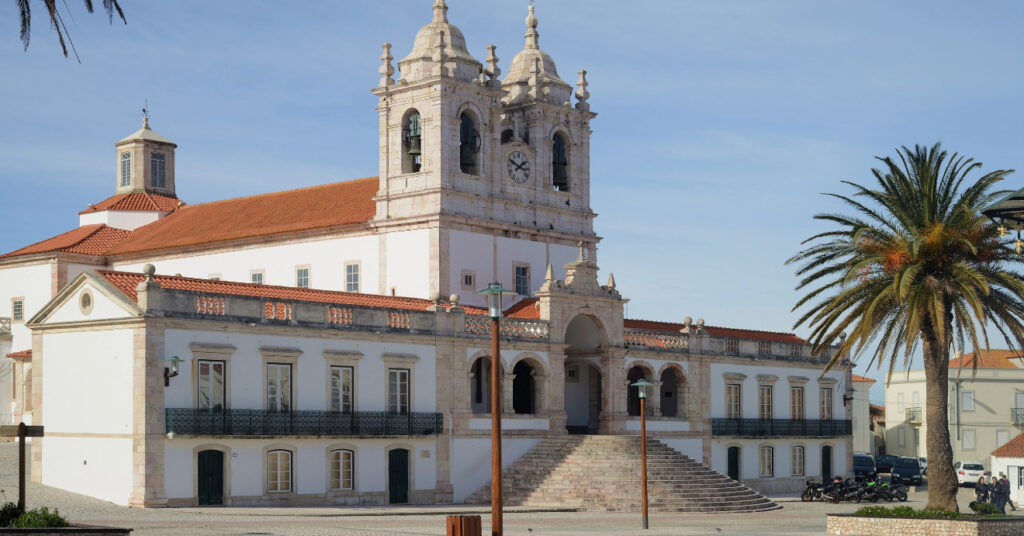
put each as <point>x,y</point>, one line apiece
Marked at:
<point>31,282</point>
<point>100,467</point>
<point>120,219</point>
<point>102,307</point>
<point>471,462</point>
<point>408,263</point>
<point>781,404</point>
<point>1011,468</point>
<point>750,452</point>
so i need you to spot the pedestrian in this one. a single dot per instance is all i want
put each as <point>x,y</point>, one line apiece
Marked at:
<point>981,490</point>
<point>1008,499</point>
<point>997,494</point>
<point>1005,483</point>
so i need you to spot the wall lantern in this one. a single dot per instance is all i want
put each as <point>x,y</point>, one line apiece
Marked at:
<point>172,371</point>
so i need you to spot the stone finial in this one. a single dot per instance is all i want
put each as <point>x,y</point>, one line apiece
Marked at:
<point>581,91</point>
<point>454,298</point>
<point>386,69</point>
<point>149,271</point>
<point>687,324</point>
<point>611,281</point>
<point>700,325</point>
<point>145,122</point>
<point>549,275</point>
<point>440,11</point>
<point>493,71</point>
<point>531,30</point>
<point>582,257</point>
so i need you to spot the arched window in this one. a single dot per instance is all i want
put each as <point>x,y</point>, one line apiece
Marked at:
<point>524,389</point>
<point>767,461</point>
<point>560,163</point>
<point>341,469</point>
<point>158,166</point>
<point>480,386</point>
<point>126,169</point>
<point>633,393</point>
<point>279,471</point>
<point>669,393</point>
<point>507,135</point>
<point>412,142</point>
<point>469,144</point>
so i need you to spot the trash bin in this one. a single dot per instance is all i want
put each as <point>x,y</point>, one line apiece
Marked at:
<point>463,526</point>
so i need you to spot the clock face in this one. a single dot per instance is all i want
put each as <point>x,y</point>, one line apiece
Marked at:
<point>518,167</point>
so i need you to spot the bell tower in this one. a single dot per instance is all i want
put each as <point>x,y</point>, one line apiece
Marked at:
<point>145,162</point>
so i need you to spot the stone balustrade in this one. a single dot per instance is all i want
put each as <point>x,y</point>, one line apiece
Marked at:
<point>656,340</point>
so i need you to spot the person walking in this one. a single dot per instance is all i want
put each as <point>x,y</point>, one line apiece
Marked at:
<point>981,491</point>
<point>997,494</point>
<point>1005,484</point>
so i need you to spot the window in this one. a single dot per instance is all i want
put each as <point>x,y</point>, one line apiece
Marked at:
<point>211,384</point>
<point>468,280</point>
<point>279,387</point>
<point>256,276</point>
<point>798,461</point>
<point>352,277</point>
<point>764,404</point>
<point>126,169</point>
<point>1002,437</point>
<point>469,144</point>
<point>968,439</point>
<point>764,348</point>
<point>560,163</point>
<point>302,277</point>
<point>523,280</point>
<point>732,401</point>
<point>797,396</point>
<point>915,398</point>
<point>398,391</point>
<point>901,437</point>
<point>967,398</point>
<point>825,403</point>
<point>767,461</point>
<point>279,471</point>
<point>158,167</point>
<point>341,469</point>
<point>341,389</point>
<point>899,402</point>
<point>795,350</point>
<point>732,346</point>
<point>18,309</point>
<point>1020,478</point>
<point>412,143</point>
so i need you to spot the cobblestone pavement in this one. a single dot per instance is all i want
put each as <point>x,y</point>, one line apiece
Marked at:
<point>795,518</point>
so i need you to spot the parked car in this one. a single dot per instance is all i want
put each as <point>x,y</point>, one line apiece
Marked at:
<point>907,470</point>
<point>968,472</point>
<point>884,463</point>
<point>864,467</point>
<point>924,465</point>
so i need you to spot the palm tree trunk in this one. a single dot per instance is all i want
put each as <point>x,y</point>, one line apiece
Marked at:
<point>942,483</point>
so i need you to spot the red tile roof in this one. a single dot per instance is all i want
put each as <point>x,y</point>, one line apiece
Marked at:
<point>22,353</point>
<point>992,359</point>
<point>136,201</point>
<point>1012,449</point>
<point>317,207</point>
<point>526,308</point>
<point>862,379</point>
<point>127,283</point>
<point>716,331</point>
<point>94,239</point>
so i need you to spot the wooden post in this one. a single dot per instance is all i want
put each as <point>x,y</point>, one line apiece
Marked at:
<point>22,429</point>
<point>643,458</point>
<point>496,522</point>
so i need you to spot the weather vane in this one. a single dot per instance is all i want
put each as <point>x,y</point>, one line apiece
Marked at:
<point>145,109</point>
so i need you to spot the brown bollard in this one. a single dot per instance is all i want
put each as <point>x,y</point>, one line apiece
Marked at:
<point>464,526</point>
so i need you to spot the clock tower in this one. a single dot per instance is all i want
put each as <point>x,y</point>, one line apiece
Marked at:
<point>491,175</point>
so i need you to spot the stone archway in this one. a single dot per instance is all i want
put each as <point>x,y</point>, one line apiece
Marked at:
<point>584,389</point>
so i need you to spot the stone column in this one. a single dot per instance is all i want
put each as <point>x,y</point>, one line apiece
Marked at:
<point>506,394</point>
<point>613,394</point>
<point>555,391</point>
<point>654,400</point>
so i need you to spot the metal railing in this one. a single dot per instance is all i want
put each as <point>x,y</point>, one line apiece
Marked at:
<point>5,324</point>
<point>259,422</point>
<point>780,428</point>
<point>913,415</point>
<point>1017,416</point>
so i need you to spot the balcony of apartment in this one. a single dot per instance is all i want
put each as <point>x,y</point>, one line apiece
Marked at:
<point>780,428</point>
<point>1017,416</point>
<point>912,415</point>
<point>5,325</point>
<point>262,423</point>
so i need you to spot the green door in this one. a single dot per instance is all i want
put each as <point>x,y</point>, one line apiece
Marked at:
<point>398,476</point>
<point>734,463</point>
<point>211,477</point>
<point>826,463</point>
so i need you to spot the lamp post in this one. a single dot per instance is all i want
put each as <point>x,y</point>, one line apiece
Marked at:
<point>642,386</point>
<point>494,293</point>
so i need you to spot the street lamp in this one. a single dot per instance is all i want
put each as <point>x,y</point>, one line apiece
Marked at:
<point>494,293</point>
<point>642,386</point>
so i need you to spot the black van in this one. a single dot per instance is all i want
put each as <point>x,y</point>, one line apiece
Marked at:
<point>863,467</point>
<point>907,470</point>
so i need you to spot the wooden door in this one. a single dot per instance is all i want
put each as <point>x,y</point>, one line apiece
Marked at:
<point>734,463</point>
<point>211,477</point>
<point>826,463</point>
<point>398,476</point>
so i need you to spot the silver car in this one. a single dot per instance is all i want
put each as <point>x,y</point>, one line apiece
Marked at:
<point>968,472</point>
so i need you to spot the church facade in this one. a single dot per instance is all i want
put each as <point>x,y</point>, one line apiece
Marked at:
<point>325,345</point>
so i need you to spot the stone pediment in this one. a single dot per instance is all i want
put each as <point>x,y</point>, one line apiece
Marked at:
<point>580,278</point>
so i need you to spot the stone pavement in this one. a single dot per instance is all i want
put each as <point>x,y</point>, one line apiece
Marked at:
<point>795,518</point>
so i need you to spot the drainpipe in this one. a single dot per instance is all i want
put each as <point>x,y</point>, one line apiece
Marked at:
<point>958,410</point>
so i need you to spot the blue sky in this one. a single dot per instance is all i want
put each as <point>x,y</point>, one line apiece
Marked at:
<point>721,122</point>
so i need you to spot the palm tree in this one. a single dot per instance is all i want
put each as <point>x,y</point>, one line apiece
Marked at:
<point>916,265</point>
<point>57,22</point>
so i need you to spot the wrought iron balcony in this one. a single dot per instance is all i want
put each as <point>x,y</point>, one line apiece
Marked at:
<point>913,415</point>
<point>780,428</point>
<point>1017,416</point>
<point>5,324</point>
<point>259,422</point>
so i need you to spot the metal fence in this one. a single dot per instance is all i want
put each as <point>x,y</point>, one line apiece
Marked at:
<point>1017,416</point>
<point>780,428</point>
<point>258,422</point>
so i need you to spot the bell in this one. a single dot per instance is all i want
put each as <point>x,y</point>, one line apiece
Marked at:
<point>561,174</point>
<point>466,157</point>
<point>414,146</point>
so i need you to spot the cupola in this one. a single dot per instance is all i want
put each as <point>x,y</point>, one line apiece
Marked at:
<point>532,73</point>
<point>145,162</point>
<point>439,50</point>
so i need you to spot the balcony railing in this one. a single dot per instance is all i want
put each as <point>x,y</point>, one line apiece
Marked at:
<point>780,428</point>
<point>913,415</point>
<point>258,422</point>
<point>5,324</point>
<point>1017,416</point>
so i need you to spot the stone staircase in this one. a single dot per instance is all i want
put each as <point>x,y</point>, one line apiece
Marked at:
<point>602,473</point>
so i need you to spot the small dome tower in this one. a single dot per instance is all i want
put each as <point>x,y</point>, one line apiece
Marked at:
<point>532,72</point>
<point>145,162</point>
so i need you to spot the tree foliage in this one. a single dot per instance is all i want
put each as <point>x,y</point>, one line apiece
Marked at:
<point>57,22</point>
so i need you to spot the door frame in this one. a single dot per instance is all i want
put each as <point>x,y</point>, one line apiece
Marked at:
<point>226,467</point>
<point>387,470</point>
<point>739,461</point>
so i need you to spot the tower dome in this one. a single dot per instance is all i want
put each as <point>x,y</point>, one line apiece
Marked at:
<point>420,63</point>
<point>532,60</point>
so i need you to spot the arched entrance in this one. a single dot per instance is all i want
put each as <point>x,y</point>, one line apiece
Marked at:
<point>582,397</point>
<point>524,389</point>
<point>480,385</point>
<point>633,393</point>
<point>670,393</point>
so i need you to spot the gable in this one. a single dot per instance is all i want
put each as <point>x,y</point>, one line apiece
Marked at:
<point>88,298</point>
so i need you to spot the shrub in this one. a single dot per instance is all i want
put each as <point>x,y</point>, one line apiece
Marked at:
<point>39,518</point>
<point>8,513</point>
<point>983,510</point>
